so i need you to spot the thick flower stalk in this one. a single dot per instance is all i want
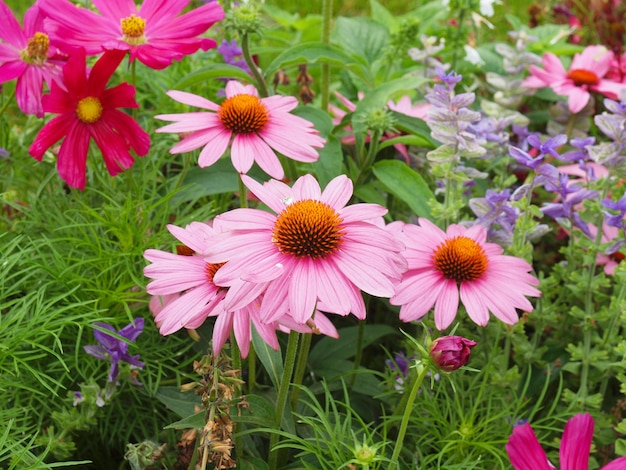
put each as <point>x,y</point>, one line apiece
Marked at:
<point>443,265</point>
<point>87,109</point>
<point>26,54</point>
<point>155,33</point>
<point>253,127</point>
<point>312,252</point>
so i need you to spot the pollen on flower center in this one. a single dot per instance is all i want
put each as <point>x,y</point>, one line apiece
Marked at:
<point>308,228</point>
<point>36,51</point>
<point>89,110</point>
<point>243,114</point>
<point>582,77</point>
<point>133,28</point>
<point>460,259</point>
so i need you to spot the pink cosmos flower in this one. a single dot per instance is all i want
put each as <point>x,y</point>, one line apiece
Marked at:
<point>27,55</point>
<point>185,295</point>
<point>154,33</point>
<point>526,453</point>
<point>314,252</point>
<point>253,126</point>
<point>440,264</point>
<point>586,74</point>
<point>403,106</point>
<point>89,110</point>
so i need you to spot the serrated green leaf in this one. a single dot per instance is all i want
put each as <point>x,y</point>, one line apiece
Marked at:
<point>361,37</point>
<point>406,184</point>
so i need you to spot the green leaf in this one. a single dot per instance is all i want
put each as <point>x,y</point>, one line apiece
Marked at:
<point>251,463</point>
<point>260,412</point>
<point>181,403</point>
<point>406,184</point>
<point>271,360</point>
<point>312,52</point>
<point>382,15</point>
<point>211,72</point>
<point>361,37</point>
<point>329,350</point>
<point>195,421</point>
<point>414,140</point>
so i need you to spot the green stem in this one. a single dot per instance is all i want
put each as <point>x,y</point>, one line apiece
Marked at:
<point>283,391</point>
<point>260,81</point>
<point>327,9</point>
<point>243,194</point>
<point>251,368</point>
<point>7,102</point>
<point>359,351</point>
<point>370,157</point>
<point>298,375</point>
<point>422,371</point>
<point>236,357</point>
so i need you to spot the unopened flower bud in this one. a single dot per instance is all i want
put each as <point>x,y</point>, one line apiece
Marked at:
<point>451,352</point>
<point>378,120</point>
<point>244,19</point>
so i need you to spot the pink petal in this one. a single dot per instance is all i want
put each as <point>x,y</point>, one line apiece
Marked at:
<point>338,192</point>
<point>72,160</point>
<point>307,188</point>
<point>50,134</point>
<point>303,290</point>
<point>524,450</point>
<point>192,100</point>
<point>578,99</point>
<point>576,443</point>
<point>447,305</point>
<point>246,149</point>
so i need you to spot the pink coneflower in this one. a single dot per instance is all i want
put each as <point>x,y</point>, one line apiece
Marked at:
<point>440,264</point>
<point>89,110</point>
<point>185,295</point>
<point>585,74</point>
<point>253,126</point>
<point>315,252</point>
<point>154,33</point>
<point>27,55</point>
<point>526,453</point>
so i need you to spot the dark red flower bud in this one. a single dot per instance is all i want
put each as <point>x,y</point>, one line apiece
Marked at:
<point>451,352</point>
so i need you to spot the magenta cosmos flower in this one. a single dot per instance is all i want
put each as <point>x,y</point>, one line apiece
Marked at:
<point>185,295</point>
<point>89,110</point>
<point>526,453</point>
<point>26,55</point>
<point>154,33</point>
<point>585,74</point>
<point>314,252</point>
<point>252,126</point>
<point>440,264</point>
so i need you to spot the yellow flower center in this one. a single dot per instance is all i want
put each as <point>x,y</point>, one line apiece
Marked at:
<point>308,228</point>
<point>36,51</point>
<point>582,77</point>
<point>243,114</point>
<point>460,259</point>
<point>89,110</point>
<point>133,28</point>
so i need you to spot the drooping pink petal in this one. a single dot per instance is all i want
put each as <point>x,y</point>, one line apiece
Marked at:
<point>72,160</point>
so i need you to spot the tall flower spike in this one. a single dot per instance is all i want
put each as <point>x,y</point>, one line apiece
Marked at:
<point>154,33</point>
<point>442,265</point>
<point>314,252</point>
<point>254,128</point>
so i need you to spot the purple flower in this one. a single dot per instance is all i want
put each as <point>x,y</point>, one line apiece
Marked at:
<point>616,220</point>
<point>114,350</point>
<point>496,214</point>
<point>570,196</point>
<point>451,352</point>
<point>3,153</point>
<point>549,146</point>
<point>233,54</point>
<point>399,363</point>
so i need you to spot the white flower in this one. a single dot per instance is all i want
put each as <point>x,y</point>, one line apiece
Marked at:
<point>472,56</point>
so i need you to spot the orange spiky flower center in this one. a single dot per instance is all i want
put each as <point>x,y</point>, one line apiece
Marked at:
<point>460,259</point>
<point>582,77</point>
<point>89,109</point>
<point>308,228</point>
<point>243,114</point>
